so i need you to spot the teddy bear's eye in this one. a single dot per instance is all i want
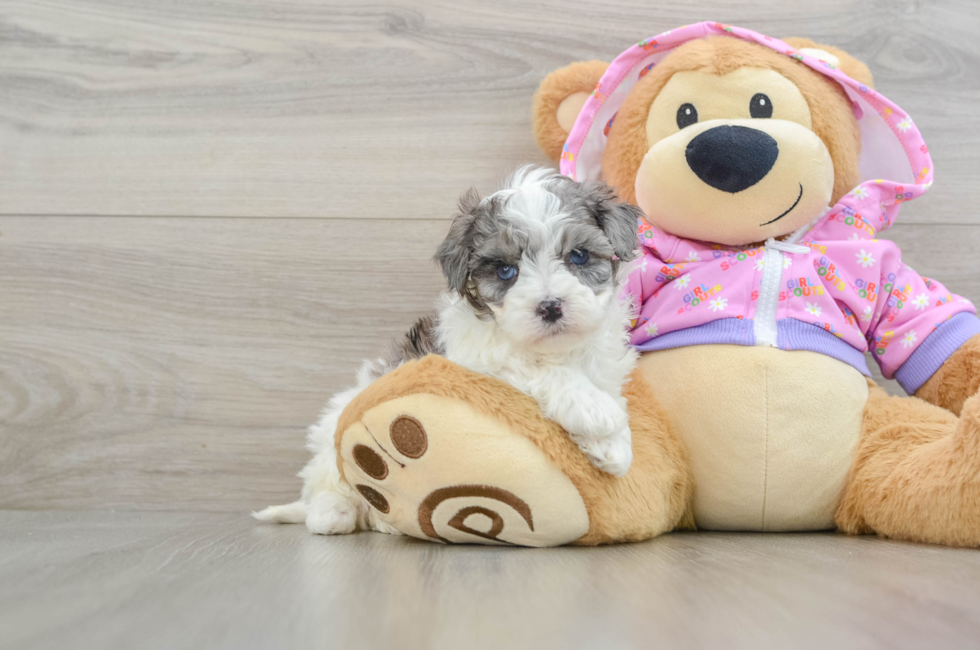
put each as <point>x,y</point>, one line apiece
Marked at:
<point>686,115</point>
<point>760,106</point>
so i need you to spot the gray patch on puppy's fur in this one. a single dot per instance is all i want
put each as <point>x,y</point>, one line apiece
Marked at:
<point>484,236</point>
<point>419,341</point>
<point>498,243</point>
<point>581,234</point>
<point>455,254</point>
<point>618,220</point>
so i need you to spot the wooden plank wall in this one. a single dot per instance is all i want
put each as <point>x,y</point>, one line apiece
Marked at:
<point>210,211</point>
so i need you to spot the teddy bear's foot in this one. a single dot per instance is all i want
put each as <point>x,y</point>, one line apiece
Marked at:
<point>917,473</point>
<point>434,468</point>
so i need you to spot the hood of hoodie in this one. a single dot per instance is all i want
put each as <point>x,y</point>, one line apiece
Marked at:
<point>895,165</point>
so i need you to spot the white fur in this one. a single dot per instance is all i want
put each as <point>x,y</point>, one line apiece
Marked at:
<point>578,386</point>
<point>574,369</point>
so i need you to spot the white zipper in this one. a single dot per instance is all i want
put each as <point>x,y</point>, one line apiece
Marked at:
<point>764,323</point>
<point>765,313</point>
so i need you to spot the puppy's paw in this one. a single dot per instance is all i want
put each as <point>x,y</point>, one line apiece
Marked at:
<point>384,527</point>
<point>594,416</point>
<point>612,454</point>
<point>331,514</point>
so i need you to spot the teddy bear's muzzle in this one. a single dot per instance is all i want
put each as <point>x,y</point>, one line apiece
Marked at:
<point>732,158</point>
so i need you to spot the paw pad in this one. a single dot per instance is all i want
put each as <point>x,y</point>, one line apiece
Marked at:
<point>409,437</point>
<point>371,462</point>
<point>436,469</point>
<point>374,497</point>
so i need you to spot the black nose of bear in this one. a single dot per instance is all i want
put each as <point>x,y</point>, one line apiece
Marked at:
<point>550,310</point>
<point>732,158</point>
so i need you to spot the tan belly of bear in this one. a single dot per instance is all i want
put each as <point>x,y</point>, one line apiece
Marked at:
<point>770,433</point>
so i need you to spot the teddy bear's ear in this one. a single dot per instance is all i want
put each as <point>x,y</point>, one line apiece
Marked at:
<point>839,58</point>
<point>558,101</point>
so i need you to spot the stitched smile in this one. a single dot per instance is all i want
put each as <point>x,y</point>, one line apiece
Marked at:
<point>788,211</point>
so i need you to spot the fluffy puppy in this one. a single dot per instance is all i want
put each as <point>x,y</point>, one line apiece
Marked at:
<point>534,276</point>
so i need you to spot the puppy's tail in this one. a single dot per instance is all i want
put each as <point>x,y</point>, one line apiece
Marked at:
<point>291,513</point>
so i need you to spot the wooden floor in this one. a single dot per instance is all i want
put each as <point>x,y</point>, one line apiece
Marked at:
<point>165,580</point>
<point>211,211</point>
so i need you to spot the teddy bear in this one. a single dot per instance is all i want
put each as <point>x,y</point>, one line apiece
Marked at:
<point>765,170</point>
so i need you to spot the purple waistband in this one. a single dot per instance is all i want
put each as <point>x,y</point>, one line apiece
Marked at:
<point>792,334</point>
<point>733,331</point>
<point>795,334</point>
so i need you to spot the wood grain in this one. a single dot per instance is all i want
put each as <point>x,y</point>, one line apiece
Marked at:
<point>312,108</point>
<point>143,359</point>
<point>165,580</point>
<point>173,364</point>
<point>211,211</point>
<point>166,334</point>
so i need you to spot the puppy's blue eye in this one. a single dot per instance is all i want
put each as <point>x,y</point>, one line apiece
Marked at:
<point>579,257</point>
<point>506,272</point>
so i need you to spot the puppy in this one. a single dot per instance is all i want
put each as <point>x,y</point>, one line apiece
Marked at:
<point>534,276</point>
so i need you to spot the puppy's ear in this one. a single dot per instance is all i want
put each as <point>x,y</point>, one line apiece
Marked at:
<point>453,254</point>
<point>618,220</point>
<point>558,101</point>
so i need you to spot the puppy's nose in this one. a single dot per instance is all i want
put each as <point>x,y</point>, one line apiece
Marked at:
<point>549,310</point>
<point>732,158</point>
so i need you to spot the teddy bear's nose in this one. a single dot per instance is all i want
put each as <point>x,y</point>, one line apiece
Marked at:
<point>732,158</point>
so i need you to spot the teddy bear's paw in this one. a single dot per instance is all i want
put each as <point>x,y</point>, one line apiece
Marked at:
<point>435,468</point>
<point>331,514</point>
<point>612,454</point>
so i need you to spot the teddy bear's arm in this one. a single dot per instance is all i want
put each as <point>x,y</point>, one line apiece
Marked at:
<point>956,380</point>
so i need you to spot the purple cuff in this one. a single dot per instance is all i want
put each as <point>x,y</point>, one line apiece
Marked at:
<point>935,349</point>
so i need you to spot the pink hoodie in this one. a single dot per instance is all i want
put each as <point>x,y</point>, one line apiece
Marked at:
<point>831,287</point>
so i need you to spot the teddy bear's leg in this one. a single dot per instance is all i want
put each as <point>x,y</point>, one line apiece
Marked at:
<point>916,473</point>
<point>445,454</point>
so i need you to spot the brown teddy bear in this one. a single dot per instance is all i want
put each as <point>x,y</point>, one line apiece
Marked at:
<point>765,169</point>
